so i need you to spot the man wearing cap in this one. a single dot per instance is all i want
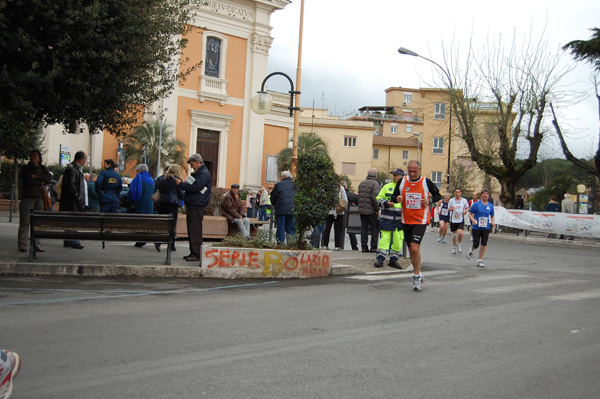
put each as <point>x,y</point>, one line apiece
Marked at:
<point>197,195</point>
<point>231,208</point>
<point>390,225</point>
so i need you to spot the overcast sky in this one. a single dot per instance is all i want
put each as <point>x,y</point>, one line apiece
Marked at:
<point>350,47</point>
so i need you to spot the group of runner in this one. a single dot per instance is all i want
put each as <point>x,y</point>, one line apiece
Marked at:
<point>414,192</point>
<point>456,211</point>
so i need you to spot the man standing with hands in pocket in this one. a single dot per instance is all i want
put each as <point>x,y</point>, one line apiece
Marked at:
<point>197,195</point>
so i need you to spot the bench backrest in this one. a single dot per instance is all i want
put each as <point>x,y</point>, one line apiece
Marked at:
<point>81,221</point>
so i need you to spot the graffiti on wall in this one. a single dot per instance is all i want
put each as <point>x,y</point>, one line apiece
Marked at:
<point>270,263</point>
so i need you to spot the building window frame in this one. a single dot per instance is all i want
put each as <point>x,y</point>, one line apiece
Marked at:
<point>214,88</point>
<point>440,111</point>
<point>409,128</point>
<point>349,141</point>
<point>404,154</point>
<point>375,153</point>
<point>349,168</point>
<point>394,128</point>
<point>408,97</point>
<point>436,178</point>
<point>438,145</point>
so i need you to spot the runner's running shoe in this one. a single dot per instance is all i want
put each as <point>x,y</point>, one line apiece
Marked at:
<point>470,254</point>
<point>417,280</point>
<point>9,370</point>
<point>453,250</point>
<point>480,263</point>
<point>459,249</point>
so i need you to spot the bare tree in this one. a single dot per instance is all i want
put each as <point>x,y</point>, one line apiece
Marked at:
<point>591,167</point>
<point>501,93</point>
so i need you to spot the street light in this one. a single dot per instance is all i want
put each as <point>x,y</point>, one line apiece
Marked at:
<point>262,102</point>
<point>263,98</point>
<point>405,51</point>
<point>418,146</point>
<point>160,129</point>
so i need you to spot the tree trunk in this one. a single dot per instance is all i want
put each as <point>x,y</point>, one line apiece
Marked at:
<point>16,180</point>
<point>507,193</point>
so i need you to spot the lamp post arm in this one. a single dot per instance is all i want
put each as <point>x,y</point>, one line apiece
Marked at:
<point>292,91</point>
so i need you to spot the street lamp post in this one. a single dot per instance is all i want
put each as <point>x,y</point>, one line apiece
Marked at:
<point>405,51</point>
<point>418,146</point>
<point>263,100</point>
<point>160,129</point>
<point>262,103</point>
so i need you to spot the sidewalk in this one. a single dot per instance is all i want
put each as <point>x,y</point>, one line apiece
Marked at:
<point>122,259</point>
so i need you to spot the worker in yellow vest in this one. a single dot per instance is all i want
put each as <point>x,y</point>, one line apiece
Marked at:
<point>390,224</point>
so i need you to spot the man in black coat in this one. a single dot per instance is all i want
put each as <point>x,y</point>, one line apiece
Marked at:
<point>73,196</point>
<point>282,199</point>
<point>197,195</point>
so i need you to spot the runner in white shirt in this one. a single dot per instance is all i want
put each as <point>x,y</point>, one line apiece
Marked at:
<point>458,208</point>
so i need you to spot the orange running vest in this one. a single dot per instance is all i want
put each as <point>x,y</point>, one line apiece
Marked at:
<point>413,211</point>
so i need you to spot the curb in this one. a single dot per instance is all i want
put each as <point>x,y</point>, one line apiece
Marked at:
<point>547,241</point>
<point>100,270</point>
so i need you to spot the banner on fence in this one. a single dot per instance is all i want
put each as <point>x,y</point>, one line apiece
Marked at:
<point>570,224</point>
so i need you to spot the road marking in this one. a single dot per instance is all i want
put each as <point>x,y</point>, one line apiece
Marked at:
<point>525,286</point>
<point>378,277</point>
<point>577,296</point>
<point>126,294</point>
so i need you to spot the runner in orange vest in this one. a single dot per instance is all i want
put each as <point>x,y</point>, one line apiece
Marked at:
<point>414,193</point>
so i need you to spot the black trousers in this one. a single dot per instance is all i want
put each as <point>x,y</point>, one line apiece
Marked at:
<point>369,222</point>
<point>337,224</point>
<point>194,218</point>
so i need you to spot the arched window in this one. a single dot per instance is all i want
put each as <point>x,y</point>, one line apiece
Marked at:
<point>213,83</point>
<point>213,56</point>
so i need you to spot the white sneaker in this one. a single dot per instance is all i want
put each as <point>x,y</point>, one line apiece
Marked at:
<point>459,249</point>
<point>417,280</point>
<point>470,254</point>
<point>480,263</point>
<point>337,249</point>
<point>439,239</point>
<point>453,250</point>
<point>10,369</point>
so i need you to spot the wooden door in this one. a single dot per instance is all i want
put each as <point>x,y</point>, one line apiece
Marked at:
<point>207,145</point>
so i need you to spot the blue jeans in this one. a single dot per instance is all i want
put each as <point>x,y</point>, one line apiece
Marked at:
<point>262,214</point>
<point>285,226</point>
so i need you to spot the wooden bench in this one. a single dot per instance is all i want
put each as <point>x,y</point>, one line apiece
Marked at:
<point>101,227</point>
<point>215,227</point>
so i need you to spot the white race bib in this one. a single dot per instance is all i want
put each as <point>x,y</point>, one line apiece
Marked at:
<point>413,200</point>
<point>483,222</point>
<point>444,211</point>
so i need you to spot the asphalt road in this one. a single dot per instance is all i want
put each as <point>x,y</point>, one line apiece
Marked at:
<point>527,326</point>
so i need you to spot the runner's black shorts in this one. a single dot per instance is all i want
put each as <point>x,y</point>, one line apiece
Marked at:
<point>457,226</point>
<point>479,235</point>
<point>414,233</point>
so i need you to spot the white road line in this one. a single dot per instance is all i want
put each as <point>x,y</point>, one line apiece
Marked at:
<point>525,286</point>
<point>378,277</point>
<point>577,296</point>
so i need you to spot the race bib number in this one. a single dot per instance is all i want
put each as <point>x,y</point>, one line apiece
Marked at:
<point>483,222</point>
<point>444,211</point>
<point>413,200</point>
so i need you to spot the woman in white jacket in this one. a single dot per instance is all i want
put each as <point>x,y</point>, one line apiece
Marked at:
<point>337,220</point>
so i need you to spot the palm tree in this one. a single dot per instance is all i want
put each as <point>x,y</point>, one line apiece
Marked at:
<point>307,143</point>
<point>143,141</point>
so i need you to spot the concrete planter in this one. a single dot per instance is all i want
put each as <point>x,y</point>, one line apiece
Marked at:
<point>230,262</point>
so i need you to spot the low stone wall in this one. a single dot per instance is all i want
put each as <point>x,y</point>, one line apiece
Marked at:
<point>229,262</point>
